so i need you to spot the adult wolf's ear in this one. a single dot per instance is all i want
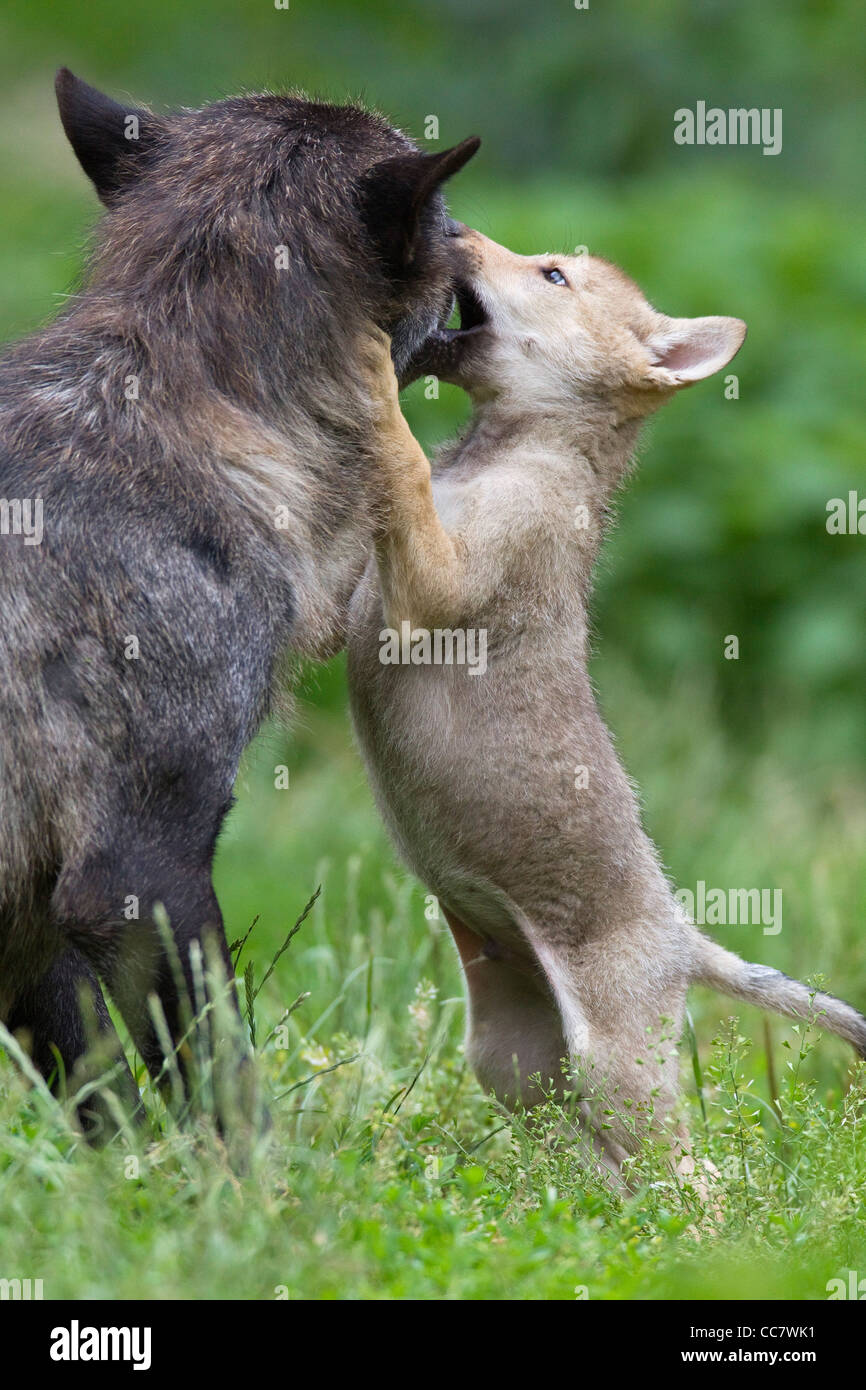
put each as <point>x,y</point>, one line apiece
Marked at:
<point>684,351</point>
<point>395,193</point>
<point>113,143</point>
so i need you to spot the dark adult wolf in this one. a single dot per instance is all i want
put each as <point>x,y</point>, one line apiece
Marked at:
<point>193,434</point>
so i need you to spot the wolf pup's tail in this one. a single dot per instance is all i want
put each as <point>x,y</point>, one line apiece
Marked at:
<point>770,989</point>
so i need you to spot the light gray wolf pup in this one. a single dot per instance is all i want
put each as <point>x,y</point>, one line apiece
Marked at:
<point>569,935</point>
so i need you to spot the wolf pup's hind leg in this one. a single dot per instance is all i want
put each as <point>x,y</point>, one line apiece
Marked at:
<point>514,1032</point>
<point>516,1044</point>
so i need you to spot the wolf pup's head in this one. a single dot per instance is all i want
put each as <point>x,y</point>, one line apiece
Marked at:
<point>205,206</point>
<point>553,331</point>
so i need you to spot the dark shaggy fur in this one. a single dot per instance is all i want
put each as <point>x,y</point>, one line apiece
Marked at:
<point>198,431</point>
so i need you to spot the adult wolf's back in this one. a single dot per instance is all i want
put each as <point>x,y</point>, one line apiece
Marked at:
<point>196,426</point>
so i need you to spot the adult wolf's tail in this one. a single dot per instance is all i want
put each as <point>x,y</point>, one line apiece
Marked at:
<point>770,989</point>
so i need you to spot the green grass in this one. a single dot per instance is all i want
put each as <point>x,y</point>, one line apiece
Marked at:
<point>391,1175</point>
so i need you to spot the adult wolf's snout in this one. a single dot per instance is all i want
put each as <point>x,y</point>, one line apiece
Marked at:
<point>411,236</point>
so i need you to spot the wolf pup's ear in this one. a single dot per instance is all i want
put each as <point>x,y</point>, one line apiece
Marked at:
<point>395,193</point>
<point>688,350</point>
<point>113,143</point>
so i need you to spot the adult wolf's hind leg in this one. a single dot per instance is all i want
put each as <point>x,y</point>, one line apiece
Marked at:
<point>72,1039</point>
<point>134,959</point>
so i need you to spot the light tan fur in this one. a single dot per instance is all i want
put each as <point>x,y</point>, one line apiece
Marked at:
<point>569,936</point>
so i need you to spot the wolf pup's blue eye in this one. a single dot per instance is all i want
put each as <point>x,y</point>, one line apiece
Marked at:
<point>555,276</point>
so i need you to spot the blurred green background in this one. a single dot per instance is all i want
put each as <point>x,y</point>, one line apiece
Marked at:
<point>724,529</point>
